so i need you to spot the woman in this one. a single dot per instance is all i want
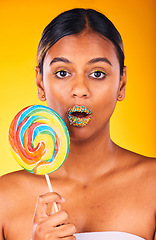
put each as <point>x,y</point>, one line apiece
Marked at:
<point>102,190</point>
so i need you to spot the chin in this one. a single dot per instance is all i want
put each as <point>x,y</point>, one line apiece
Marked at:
<point>80,134</point>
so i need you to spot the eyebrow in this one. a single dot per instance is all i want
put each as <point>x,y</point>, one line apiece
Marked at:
<point>99,59</point>
<point>60,59</point>
<point>94,60</point>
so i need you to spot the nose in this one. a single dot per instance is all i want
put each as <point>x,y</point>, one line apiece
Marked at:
<point>80,88</point>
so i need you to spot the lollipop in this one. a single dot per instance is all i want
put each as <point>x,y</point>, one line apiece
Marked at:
<point>39,140</point>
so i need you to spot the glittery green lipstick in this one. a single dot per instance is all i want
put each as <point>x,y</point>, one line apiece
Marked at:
<point>79,116</point>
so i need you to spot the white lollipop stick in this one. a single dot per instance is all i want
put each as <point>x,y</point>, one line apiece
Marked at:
<point>51,190</point>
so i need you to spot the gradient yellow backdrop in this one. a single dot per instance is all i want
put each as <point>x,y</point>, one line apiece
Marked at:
<point>133,124</point>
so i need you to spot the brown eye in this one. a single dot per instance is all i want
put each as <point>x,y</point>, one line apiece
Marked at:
<point>62,74</point>
<point>98,74</point>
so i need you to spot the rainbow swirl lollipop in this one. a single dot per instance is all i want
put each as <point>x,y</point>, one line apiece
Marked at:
<point>39,139</point>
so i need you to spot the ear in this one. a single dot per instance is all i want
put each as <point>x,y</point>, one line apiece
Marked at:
<point>122,85</point>
<point>39,84</point>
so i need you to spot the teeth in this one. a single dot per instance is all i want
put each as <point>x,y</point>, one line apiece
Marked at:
<point>76,121</point>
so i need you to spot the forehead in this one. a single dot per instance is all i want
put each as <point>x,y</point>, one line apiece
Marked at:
<point>83,46</point>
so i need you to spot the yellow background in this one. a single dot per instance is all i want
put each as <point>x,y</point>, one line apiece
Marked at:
<point>133,125</point>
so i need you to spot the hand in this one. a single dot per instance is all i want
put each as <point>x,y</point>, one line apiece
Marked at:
<point>51,226</point>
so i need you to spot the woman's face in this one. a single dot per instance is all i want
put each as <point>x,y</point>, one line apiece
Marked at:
<point>82,70</point>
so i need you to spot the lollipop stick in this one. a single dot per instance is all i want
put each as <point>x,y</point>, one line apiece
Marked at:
<point>51,190</point>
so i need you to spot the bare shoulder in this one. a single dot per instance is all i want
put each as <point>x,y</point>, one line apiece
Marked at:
<point>147,168</point>
<point>144,167</point>
<point>16,184</point>
<point>136,159</point>
<point>11,186</point>
<point>10,195</point>
<point>13,182</point>
<point>18,195</point>
<point>15,191</point>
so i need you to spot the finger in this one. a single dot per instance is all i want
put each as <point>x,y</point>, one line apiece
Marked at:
<point>69,238</point>
<point>50,225</point>
<point>57,219</point>
<point>65,230</point>
<point>53,209</point>
<point>43,201</point>
<point>52,222</point>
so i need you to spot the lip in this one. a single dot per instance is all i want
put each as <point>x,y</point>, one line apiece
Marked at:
<point>79,116</point>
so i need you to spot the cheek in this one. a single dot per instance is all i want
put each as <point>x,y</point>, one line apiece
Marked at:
<point>51,87</point>
<point>106,100</point>
<point>56,96</point>
<point>108,92</point>
<point>106,103</point>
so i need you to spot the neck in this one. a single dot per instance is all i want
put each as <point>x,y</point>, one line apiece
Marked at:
<point>90,158</point>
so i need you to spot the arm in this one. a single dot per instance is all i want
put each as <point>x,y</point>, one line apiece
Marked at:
<point>155,233</point>
<point>2,212</point>
<point>1,231</point>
